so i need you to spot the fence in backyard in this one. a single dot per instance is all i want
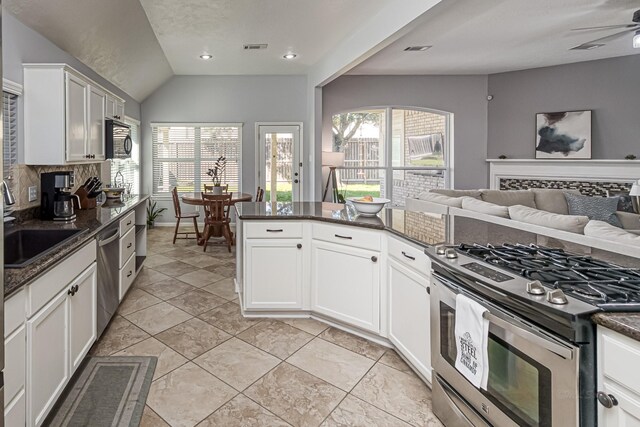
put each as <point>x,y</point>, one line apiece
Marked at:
<point>359,153</point>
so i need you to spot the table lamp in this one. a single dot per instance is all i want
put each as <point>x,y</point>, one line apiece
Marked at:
<point>332,160</point>
<point>635,196</point>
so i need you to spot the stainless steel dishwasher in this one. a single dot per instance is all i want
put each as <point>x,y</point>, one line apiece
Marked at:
<point>108,269</point>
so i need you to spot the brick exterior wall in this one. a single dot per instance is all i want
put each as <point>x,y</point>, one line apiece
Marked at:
<point>425,228</point>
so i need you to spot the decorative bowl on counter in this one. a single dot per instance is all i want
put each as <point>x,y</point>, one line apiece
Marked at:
<point>113,192</point>
<point>366,207</point>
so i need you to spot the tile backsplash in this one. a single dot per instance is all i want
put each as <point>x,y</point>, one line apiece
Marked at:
<point>26,176</point>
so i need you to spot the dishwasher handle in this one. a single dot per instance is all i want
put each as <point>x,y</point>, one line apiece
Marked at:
<point>109,239</point>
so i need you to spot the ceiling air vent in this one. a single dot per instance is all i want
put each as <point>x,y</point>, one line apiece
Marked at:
<point>417,48</point>
<point>255,46</point>
<point>587,46</point>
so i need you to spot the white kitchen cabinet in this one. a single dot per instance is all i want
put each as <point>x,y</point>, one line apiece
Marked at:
<point>63,116</point>
<point>617,377</point>
<point>345,284</point>
<point>409,315</point>
<point>77,109</point>
<point>58,337</point>
<point>274,274</point>
<point>14,364</point>
<point>114,108</point>
<point>47,357</point>
<point>82,315</point>
<point>96,137</point>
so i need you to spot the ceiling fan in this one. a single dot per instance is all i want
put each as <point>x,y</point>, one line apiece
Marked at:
<point>628,28</point>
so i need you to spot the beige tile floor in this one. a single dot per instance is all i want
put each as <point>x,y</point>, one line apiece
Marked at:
<point>216,368</point>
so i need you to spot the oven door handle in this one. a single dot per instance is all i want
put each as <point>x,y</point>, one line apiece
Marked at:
<point>553,347</point>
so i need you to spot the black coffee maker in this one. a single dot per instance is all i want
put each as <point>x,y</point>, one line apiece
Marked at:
<point>57,200</point>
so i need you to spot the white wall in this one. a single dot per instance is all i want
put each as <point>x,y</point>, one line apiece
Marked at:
<point>464,96</point>
<point>224,99</point>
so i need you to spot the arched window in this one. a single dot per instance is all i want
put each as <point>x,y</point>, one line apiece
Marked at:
<point>392,152</point>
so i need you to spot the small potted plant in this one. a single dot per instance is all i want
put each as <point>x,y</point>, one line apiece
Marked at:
<point>216,173</point>
<point>153,212</point>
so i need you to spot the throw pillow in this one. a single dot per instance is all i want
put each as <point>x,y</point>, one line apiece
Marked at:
<point>475,205</point>
<point>509,197</point>
<point>625,203</point>
<point>572,223</point>
<point>598,208</point>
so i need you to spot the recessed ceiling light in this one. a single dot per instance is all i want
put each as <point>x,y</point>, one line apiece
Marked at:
<point>289,56</point>
<point>417,48</point>
<point>206,56</point>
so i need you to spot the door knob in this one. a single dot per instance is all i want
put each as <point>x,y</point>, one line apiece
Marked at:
<point>299,246</point>
<point>295,174</point>
<point>295,180</point>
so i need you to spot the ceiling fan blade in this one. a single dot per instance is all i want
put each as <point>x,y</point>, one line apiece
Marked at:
<point>605,27</point>
<point>602,40</point>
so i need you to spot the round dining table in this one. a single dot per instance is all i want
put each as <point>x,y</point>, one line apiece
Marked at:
<point>195,199</point>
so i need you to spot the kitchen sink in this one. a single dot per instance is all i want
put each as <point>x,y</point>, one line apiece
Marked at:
<point>22,247</point>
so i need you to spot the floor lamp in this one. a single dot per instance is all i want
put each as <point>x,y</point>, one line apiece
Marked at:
<point>635,196</point>
<point>332,160</point>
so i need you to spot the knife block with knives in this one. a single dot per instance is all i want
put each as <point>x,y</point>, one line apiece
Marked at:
<point>88,193</point>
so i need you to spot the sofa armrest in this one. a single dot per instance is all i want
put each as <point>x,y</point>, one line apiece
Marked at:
<point>629,221</point>
<point>413,204</point>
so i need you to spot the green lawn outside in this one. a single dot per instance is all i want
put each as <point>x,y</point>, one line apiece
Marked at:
<point>349,190</point>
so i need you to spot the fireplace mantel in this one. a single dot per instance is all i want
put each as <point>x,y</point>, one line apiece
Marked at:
<point>583,170</point>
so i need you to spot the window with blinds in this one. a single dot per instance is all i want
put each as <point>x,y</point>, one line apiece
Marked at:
<point>183,153</point>
<point>10,137</point>
<point>129,168</point>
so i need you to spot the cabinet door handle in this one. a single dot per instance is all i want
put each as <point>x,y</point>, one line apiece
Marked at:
<point>129,223</point>
<point>412,258</point>
<point>129,245</point>
<point>279,230</point>
<point>71,291</point>
<point>343,237</point>
<point>130,273</point>
<point>607,400</point>
<point>374,258</point>
<point>299,246</point>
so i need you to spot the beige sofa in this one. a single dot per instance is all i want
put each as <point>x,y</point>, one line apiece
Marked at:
<point>542,207</point>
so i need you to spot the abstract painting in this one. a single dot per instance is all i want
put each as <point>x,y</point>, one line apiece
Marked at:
<point>563,135</point>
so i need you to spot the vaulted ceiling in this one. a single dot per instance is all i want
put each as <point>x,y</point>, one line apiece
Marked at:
<point>139,44</point>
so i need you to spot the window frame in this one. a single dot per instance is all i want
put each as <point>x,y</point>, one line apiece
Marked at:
<point>388,168</point>
<point>15,90</point>
<point>195,125</point>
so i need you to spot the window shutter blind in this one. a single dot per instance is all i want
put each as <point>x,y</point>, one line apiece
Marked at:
<point>130,168</point>
<point>10,136</point>
<point>183,154</point>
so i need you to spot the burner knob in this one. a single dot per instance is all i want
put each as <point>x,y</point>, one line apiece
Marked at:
<point>557,297</point>
<point>535,288</point>
<point>441,249</point>
<point>451,254</point>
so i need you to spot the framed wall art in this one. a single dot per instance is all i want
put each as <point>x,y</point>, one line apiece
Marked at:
<point>563,135</point>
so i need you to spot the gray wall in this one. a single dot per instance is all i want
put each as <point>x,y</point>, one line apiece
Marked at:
<point>21,45</point>
<point>225,99</point>
<point>609,87</point>
<point>464,96</point>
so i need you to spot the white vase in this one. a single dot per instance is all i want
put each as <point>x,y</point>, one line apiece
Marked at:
<point>216,190</point>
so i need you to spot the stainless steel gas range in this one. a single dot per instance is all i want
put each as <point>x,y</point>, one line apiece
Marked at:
<point>541,343</point>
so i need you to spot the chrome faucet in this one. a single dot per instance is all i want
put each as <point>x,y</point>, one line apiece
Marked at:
<point>9,199</point>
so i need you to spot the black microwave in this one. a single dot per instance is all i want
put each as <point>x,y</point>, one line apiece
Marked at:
<point>117,140</point>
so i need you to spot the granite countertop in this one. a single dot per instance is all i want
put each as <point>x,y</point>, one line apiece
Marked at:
<point>625,323</point>
<point>430,229</point>
<point>91,221</point>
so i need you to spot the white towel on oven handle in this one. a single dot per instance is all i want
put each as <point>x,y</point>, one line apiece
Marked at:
<point>472,339</point>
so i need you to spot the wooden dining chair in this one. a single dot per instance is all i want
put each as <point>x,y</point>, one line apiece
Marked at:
<point>216,209</point>
<point>259,194</point>
<point>180,215</point>
<point>209,188</point>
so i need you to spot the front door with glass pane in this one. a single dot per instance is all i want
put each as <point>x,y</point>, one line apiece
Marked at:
<point>279,170</point>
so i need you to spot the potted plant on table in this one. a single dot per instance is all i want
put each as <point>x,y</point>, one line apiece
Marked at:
<point>216,173</point>
<point>153,212</point>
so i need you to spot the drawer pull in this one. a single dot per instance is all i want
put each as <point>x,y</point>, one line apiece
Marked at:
<point>130,273</point>
<point>129,245</point>
<point>412,258</point>
<point>299,246</point>
<point>343,237</point>
<point>374,258</point>
<point>279,230</point>
<point>129,223</point>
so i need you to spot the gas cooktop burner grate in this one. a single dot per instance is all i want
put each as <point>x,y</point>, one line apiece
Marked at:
<point>590,280</point>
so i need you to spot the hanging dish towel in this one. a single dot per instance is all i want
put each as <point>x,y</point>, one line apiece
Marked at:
<point>472,336</point>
